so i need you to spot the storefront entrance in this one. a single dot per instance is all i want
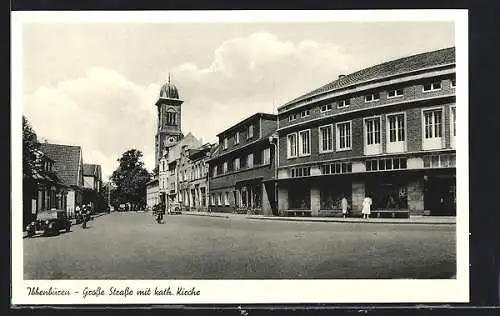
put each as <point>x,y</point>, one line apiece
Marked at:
<point>440,195</point>
<point>388,192</point>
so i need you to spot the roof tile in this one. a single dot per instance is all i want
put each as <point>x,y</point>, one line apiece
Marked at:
<point>390,68</point>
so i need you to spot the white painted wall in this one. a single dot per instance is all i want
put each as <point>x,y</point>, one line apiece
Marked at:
<point>88,182</point>
<point>71,203</point>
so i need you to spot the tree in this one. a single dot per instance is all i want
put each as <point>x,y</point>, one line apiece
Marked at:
<point>130,179</point>
<point>30,147</point>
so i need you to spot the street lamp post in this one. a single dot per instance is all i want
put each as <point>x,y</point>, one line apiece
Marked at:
<point>273,140</point>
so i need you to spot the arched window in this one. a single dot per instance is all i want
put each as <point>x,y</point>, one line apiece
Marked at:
<point>171,117</point>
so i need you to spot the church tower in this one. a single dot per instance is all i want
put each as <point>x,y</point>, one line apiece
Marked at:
<point>168,131</point>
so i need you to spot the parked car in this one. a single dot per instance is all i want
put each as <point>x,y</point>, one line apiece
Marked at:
<point>174,208</point>
<point>49,222</point>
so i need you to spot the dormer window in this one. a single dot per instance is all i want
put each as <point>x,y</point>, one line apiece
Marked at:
<point>305,113</point>
<point>344,103</point>
<point>292,117</point>
<point>372,97</point>
<point>237,138</point>
<point>326,107</point>
<point>433,86</point>
<point>394,93</point>
<point>225,142</point>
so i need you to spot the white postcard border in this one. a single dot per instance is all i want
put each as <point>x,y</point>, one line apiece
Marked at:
<point>248,291</point>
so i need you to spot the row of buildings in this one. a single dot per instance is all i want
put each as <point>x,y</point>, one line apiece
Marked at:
<point>387,132</point>
<point>58,181</point>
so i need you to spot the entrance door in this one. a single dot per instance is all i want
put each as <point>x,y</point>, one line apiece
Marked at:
<point>440,196</point>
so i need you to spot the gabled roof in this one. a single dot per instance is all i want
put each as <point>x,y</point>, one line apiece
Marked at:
<point>66,161</point>
<point>391,68</point>
<point>90,170</point>
<point>200,151</point>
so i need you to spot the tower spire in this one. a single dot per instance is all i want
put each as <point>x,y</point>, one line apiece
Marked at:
<point>169,78</point>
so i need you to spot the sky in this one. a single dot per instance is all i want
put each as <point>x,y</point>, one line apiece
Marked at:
<point>95,84</point>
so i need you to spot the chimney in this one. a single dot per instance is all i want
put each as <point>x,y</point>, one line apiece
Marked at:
<point>341,76</point>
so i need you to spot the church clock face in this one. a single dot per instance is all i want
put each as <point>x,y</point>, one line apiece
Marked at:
<point>171,140</point>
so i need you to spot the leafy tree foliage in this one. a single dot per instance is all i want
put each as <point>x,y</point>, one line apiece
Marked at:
<point>130,179</point>
<point>30,146</point>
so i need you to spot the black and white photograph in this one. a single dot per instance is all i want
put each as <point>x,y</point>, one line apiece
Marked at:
<point>201,157</point>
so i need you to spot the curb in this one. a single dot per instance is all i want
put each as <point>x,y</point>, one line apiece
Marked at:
<point>325,220</point>
<point>348,221</point>
<point>206,215</point>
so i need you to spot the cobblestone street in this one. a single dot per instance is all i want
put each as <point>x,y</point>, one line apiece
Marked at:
<point>133,246</point>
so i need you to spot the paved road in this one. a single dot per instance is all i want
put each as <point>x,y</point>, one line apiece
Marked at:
<point>133,246</point>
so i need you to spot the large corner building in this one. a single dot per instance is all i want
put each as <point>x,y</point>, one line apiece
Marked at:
<point>387,132</point>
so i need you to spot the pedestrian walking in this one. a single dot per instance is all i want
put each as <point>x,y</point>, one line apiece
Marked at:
<point>77,212</point>
<point>85,216</point>
<point>367,203</point>
<point>345,205</point>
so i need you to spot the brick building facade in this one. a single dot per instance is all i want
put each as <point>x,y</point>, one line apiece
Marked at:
<point>238,170</point>
<point>387,132</point>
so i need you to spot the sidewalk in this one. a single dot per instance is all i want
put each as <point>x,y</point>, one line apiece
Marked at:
<point>442,220</point>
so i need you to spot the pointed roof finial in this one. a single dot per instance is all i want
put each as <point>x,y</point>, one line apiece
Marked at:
<point>169,78</point>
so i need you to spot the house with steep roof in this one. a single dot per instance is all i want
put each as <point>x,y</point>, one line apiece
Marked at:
<point>42,189</point>
<point>68,166</point>
<point>92,177</point>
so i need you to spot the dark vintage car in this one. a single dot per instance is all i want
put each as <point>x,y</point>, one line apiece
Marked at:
<point>49,222</point>
<point>174,208</point>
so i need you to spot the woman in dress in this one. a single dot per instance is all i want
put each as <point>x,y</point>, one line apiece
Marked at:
<point>367,203</point>
<point>344,206</point>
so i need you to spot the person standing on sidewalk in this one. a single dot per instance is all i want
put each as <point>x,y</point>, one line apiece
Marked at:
<point>345,205</point>
<point>367,203</point>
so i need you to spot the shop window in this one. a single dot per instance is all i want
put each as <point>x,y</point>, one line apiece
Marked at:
<point>299,198</point>
<point>331,195</point>
<point>387,195</point>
